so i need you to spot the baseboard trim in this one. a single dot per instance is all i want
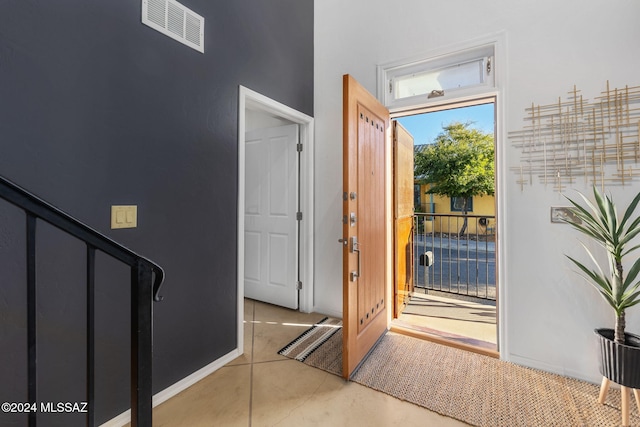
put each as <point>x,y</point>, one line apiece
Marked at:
<point>176,388</point>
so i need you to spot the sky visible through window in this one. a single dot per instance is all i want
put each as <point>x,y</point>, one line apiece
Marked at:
<point>426,127</point>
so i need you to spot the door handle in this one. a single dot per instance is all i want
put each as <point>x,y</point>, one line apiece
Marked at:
<point>355,249</point>
<point>356,274</point>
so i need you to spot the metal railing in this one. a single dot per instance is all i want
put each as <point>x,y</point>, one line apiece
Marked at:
<point>461,254</point>
<point>145,288</point>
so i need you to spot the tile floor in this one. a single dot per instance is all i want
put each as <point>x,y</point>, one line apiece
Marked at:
<point>262,388</point>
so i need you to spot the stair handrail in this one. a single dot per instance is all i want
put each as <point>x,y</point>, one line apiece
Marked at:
<point>146,276</point>
<point>24,199</point>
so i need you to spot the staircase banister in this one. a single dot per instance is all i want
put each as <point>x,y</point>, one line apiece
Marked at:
<point>31,203</point>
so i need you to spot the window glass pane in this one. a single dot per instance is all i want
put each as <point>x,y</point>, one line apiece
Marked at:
<point>454,77</point>
<point>457,203</point>
<point>416,197</point>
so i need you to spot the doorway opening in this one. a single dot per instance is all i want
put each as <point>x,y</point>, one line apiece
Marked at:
<point>275,225</point>
<point>452,295</point>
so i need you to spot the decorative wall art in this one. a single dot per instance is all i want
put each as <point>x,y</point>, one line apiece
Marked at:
<point>595,141</point>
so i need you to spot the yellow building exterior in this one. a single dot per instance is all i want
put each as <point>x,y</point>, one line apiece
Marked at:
<point>481,212</point>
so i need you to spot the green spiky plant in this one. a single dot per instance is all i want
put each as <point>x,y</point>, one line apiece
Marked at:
<point>600,221</point>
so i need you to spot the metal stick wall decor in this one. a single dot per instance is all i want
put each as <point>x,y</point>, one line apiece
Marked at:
<point>597,141</point>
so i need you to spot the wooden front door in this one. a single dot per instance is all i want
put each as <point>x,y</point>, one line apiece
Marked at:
<point>403,216</point>
<point>365,305</point>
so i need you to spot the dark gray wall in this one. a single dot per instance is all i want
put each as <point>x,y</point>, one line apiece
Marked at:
<point>98,109</point>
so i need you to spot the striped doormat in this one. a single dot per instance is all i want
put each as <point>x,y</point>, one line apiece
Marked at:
<point>311,339</point>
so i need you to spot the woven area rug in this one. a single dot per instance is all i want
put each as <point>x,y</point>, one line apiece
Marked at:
<point>472,388</point>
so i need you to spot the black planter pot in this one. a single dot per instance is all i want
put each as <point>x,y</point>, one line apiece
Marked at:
<point>620,363</point>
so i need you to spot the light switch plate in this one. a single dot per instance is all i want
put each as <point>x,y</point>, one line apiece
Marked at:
<point>124,216</point>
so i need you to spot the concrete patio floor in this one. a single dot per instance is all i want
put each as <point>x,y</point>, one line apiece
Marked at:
<point>462,321</point>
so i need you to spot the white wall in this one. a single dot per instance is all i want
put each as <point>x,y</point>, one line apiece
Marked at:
<point>255,119</point>
<point>548,314</point>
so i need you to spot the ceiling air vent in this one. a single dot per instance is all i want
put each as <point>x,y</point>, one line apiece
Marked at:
<point>176,21</point>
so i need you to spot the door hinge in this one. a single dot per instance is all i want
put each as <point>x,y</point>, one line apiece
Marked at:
<point>299,148</point>
<point>299,216</point>
<point>390,86</point>
<point>299,285</point>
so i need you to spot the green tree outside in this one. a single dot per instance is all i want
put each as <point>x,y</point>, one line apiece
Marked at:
<point>460,163</point>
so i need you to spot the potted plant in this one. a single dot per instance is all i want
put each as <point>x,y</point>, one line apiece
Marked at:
<point>620,351</point>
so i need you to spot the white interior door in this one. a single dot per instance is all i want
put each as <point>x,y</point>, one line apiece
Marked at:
<point>271,204</point>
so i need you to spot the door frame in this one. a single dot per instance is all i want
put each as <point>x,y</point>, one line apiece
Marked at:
<point>489,97</point>
<point>499,41</point>
<point>248,98</point>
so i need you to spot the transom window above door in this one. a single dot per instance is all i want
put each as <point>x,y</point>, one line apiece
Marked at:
<point>434,79</point>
